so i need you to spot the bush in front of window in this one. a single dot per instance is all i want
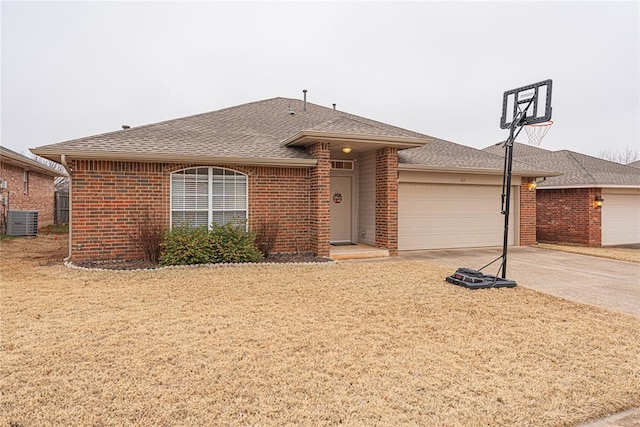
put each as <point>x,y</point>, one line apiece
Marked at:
<point>228,243</point>
<point>232,243</point>
<point>185,245</point>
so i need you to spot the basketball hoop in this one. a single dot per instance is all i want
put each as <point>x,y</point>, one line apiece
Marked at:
<point>537,131</point>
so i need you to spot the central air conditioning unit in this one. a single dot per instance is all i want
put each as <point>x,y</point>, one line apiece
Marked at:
<point>22,223</point>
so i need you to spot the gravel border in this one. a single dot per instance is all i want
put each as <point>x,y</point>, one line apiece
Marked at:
<point>325,261</point>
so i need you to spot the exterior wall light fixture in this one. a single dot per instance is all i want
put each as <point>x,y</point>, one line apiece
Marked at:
<point>597,203</point>
<point>346,150</point>
<point>532,184</point>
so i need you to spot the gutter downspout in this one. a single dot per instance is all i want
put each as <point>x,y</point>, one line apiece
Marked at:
<point>63,162</point>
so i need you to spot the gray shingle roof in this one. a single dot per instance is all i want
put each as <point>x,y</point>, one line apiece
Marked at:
<point>259,130</point>
<point>580,170</point>
<point>635,164</point>
<point>445,154</point>
<point>519,150</point>
<point>253,130</point>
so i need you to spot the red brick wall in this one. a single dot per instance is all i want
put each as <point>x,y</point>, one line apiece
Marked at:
<point>527,214</point>
<point>320,194</point>
<point>282,195</point>
<point>109,198</point>
<point>39,197</point>
<point>568,216</point>
<point>387,199</point>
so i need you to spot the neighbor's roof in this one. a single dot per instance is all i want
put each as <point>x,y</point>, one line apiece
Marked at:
<point>635,164</point>
<point>578,170</point>
<point>257,131</point>
<point>519,150</point>
<point>11,157</point>
<point>441,155</point>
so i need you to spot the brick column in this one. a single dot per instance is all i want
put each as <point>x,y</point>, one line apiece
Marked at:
<point>594,225</point>
<point>387,199</point>
<point>527,214</point>
<point>320,186</point>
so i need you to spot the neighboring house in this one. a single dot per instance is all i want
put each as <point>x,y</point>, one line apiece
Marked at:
<point>567,210</point>
<point>325,176</point>
<point>29,186</point>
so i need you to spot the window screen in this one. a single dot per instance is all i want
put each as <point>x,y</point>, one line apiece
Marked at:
<point>202,196</point>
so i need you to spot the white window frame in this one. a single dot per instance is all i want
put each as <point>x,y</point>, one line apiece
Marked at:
<point>210,196</point>
<point>25,185</point>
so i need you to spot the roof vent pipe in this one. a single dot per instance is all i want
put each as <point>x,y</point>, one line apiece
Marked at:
<point>334,105</point>
<point>304,91</point>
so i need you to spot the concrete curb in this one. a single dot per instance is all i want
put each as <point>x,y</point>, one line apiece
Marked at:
<point>630,418</point>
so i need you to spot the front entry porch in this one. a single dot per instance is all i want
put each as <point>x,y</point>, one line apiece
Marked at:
<point>356,251</point>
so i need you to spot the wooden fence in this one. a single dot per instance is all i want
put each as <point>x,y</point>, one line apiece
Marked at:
<point>61,213</point>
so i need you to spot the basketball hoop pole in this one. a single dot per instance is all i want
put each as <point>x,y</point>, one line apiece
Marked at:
<point>518,121</point>
<point>506,194</point>
<point>515,118</point>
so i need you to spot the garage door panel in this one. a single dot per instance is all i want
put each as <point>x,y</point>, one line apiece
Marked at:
<point>451,216</point>
<point>620,219</point>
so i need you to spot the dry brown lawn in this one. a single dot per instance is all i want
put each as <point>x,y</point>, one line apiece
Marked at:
<point>621,254</point>
<point>354,343</point>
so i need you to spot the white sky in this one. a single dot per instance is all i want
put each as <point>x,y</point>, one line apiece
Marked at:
<point>74,69</point>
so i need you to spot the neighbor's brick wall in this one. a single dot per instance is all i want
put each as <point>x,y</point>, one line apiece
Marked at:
<point>527,214</point>
<point>387,199</point>
<point>40,195</point>
<point>568,216</point>
<point>109,198</point>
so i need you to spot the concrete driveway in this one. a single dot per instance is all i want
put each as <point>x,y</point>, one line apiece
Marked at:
<point>610,284</point>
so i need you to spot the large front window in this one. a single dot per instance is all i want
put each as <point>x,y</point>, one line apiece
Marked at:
<point>202,196</point>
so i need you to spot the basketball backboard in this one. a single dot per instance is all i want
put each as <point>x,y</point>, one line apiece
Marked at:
<point>533,101</point>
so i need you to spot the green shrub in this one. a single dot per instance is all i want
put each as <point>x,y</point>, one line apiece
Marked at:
<point>184,245</point>
<point>231,243</point>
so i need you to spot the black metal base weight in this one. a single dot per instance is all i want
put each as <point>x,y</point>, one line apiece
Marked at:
<point>473,279</point>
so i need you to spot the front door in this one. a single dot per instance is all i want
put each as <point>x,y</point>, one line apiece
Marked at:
<point>340,209</point>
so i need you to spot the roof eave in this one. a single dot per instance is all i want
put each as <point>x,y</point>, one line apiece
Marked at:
<point>567,186</point>
<point>30,164</point>
<point>480,171</point>
<point>305,138</point>
<point>56,155</point>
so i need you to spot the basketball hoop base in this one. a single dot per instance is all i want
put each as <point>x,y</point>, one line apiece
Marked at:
<point>473,279</point>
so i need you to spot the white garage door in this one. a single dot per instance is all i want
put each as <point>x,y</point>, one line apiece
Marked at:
<point>620,219</point>
<point>434,216</point>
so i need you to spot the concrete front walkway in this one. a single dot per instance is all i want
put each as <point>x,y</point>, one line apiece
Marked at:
<point>610,284</point>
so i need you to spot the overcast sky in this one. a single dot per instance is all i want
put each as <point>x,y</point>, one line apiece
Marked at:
<point>74,69</point>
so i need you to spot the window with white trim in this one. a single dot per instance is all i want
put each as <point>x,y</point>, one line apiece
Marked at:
<point>202,196</point>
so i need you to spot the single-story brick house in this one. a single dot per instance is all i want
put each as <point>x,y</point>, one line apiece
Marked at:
<point>26,185</point>
<point>326,176</point>
<point>567,207</point>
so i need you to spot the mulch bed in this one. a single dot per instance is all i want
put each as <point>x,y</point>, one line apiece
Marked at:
<point>144,264</point>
